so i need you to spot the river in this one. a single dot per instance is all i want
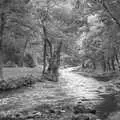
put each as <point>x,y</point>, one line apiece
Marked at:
<point>71,87</point>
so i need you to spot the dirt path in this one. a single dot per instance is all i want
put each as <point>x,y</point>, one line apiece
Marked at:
<point>71,87</point>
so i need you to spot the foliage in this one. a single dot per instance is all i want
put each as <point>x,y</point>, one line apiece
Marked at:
<point>100,41</point>
<point>15,83</point>
<point>17,27</point>
<point>88,29</point>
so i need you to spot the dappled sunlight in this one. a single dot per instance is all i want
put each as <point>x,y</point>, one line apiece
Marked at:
<point>71,88</point>
<point>83,87</point>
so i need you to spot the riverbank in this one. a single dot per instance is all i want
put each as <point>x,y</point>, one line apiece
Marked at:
<point>15,78</point>
<point>61,111</point>
<point>73,97</point>
<point>101,76</point>
<point>109,108</point>
<point>16,83</point>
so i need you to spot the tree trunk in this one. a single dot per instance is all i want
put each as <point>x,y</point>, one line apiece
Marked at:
<point>83,66</point>
<point>54,63</point>
<point>108,65</point>
<point>2,19</point>
<point>44,56</point>
<point>23,53</point>
<point>103,63</point>
<point>1,66</point>
<point>94,65</point>
<point>113,65</point>
<point>117,60</point>
<point>50,72</point>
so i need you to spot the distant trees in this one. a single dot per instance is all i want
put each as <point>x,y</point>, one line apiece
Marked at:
<point>15,25</point>
<point>110,18</point>
<point>101,41</point>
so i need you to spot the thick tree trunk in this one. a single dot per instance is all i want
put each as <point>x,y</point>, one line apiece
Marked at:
<point>50,71</point>
<point>54,63</point>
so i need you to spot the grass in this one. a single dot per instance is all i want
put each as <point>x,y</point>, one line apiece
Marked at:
<point>15,78</point>
<point>20,72</point>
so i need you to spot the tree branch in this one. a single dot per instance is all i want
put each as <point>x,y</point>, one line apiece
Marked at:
<point>105,6</point>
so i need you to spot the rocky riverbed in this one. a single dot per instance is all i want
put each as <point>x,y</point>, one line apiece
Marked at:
<point>73,97</point>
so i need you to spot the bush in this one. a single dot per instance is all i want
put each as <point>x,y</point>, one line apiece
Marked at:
<point>72,61</point>
<point>14,83</point>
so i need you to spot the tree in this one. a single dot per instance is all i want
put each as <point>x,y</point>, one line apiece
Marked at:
<point>52,46</point>
<point>101,45</point>
<point>14,23</point>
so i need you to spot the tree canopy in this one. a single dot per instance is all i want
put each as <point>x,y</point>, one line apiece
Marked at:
<point>88,29</point>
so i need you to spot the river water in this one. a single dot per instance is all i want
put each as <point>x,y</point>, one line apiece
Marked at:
<point>72,87</point>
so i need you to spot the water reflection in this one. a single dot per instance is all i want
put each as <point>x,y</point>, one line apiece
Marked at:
<point>108,106</point>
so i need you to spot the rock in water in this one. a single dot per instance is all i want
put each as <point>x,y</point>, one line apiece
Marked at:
<point>78,109</point>
<point>80,117</point>
<point>81,109</point>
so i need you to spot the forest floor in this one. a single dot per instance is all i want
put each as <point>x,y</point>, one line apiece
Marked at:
<point>73,97</point>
